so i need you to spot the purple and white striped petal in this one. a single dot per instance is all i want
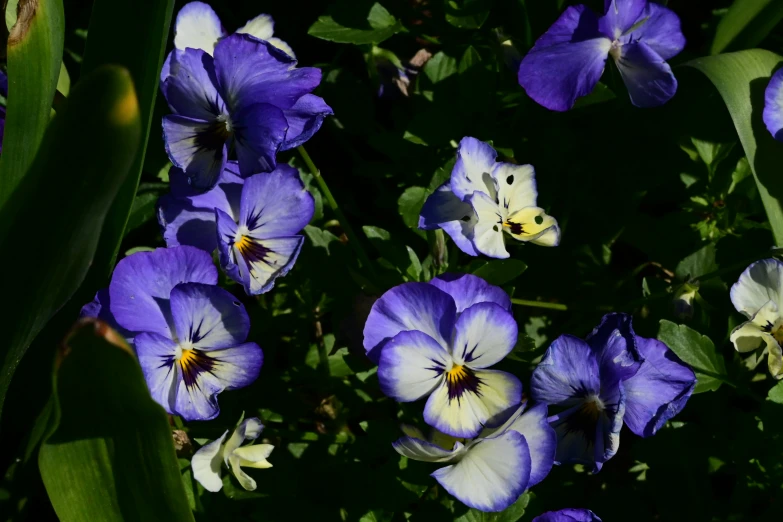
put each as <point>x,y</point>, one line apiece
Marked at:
<point>472,171</point>
<point>468,289</point>
<point>411,366</point>
<point>484,334</point>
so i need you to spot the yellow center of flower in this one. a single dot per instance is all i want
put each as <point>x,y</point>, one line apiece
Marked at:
<point>456,374</point>
<point>193,362</point>
<point>243,244</point>
<point>778,335</point>
<point>461,380</point>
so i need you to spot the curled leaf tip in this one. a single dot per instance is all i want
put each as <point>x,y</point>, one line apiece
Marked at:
<point>99,329</point>
<point>25,12</point>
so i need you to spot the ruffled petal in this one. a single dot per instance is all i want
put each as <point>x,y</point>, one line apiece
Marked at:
<point>197,399</point>
<point>661,30</point>
<point>620,15</point>
<point>647,76</point>
<point>516,186</point>
<point>468,289</point>
<point>206,465</point>
<point>568,515</point>
<point>208,317</point>
<point>472,171</point>
<point>283,46</point>
<point>658,391</point>
<point>488,231</point>
<point>566,62</point>
<point>412,364</point>
<point>259,131</point>
<point>492,474</point>
<point>142,283</point>
<point>190,88</point>
<point>238,366</point>
<point>541,439</point>
<point>410,306</point>
<point>275,204</point>
<point>568,372</point>
<point>418,449</point>
<point>614,344</point>
<point>760,283</point>
<point>467,400</point>
<point>197,147</point>
<point>445,210</point>
<point>485,334</point>
<point>197,26</point>
<point>304,120</point>
<point>262,27</point>
<point>532,224</point>
<point>773,106</point>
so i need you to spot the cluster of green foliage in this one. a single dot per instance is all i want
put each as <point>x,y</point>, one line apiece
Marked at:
<point>653,204</point>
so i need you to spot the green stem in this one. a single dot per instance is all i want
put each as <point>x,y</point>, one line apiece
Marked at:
<point>353,239</point>
<point>540,304</point>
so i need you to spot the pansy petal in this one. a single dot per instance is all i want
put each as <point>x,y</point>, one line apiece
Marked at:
<point>467,400</point>
<point>100,308</point>
<point>550,237</point>
<point>541,438</point>
<point>534,225</point>
<point>773,106</point>
<point>410,306</point>
<point>418,449</point>
<point>184,224</point>
<point>491,475</point>
<point>208,317</point>
<point>488,231</point>
<point>156,355</point>
<point>620,15</point>
<point>485,334</point>
<point>246,481</point>
<point>197,399</point>
<point>749,337</point>
<point>614,343</point>
<point>304,119</point>
<point>761,282</point>
<point>647,76</point>
<point>566,62</point>
<point>142,283</point>
<point>190,87</point>
<point>775,361</point>
<point>445,210</point>
<point>262,27</point>
<point>568,515</point>
<point>238,366</point>
<point>658,391</point>
<point>254,456</point>
<point>661,30</point>
<point>411,366</point>
<point>468,289</point>
<point>275,204</point>
<point>259,131</point>
<point>249,429</point>
<point>569,368</point>
<point>472,171</point>
<point>253,71</point>
<point>206,465</point>
<point>283,46</point>
<point>516,186</point>
<point>197,26</point>
<point>195,147</point>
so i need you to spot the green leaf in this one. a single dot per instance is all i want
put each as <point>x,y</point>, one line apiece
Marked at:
<point>122,33</point>
<point>746,24</point>
<point>697,264</point>
<point>741,79</point>
<point>35,49</point>
<point>511,514</point>
<point>346,27</point>
<point>414,269</point>
<point>110,455</point>
<point>501,271</point>
<point>409,205</point>
<point>697,351</point>
<point>102,110</point>
<point>467,14</point>
<point>776,393</point>
<point>440,67</point>
<point>143,210</point>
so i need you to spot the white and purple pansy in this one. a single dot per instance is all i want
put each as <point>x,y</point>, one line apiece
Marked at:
<point>758,295</point>
<point>773,106</point>
<point>489,472</point>
<point>254,222</point>
<point>614,376</point>
<point>245,96</point>
<point>438,340</point>
<point>486,200</point>
<point>569,59</point>
<point>568,515</point>
<point>189,335</point>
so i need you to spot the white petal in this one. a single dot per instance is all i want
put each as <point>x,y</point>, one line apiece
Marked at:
<point>541,439</point>
<point>488,231</point>
<point>262,27</point>
<point>254,456</point>
<point>283,46</point>
<point>473,169</point>
<point>249,429</point>
<point>759,283</point>
<point>516,186</point>
<point>486,333</point>
<point>206,464</point>
<point>775,361</point>
<point>535,225</point>
<point>418,449</point>
<point>411,366</point>
<point>755,333</point>
<point>198,27</point>
<point>245,480</point>
<point>550,238</point>
<point>491,475</point>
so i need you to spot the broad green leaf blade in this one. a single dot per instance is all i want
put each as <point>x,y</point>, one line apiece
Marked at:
<point>467,14</point>
<point>62,202</point>
<point>501,271</point>
<point>35,50</point>
<point>697,351</point>
<point>345,26</point>
<point>122,33</point>
<point>110,455</point>
<point>746,24</point>
<point>741,79</point>
<point>776,393</point>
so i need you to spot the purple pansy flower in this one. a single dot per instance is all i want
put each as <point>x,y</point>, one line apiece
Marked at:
<point>489,472</point>
<point>248,97</point>
<point>188,333</point>
<point>568,515</point>
<point>259,219</point>
<point>569,59</point>
<point>438,340</point>
<point>773,105</point>
<point>613,377</point>
<point>485,200</point>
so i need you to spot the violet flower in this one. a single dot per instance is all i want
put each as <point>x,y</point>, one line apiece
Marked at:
<point>568,515</point>
<point>773,105</point>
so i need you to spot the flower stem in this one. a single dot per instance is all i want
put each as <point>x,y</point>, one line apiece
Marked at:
<point>352,237</point>
<point>540,304</point>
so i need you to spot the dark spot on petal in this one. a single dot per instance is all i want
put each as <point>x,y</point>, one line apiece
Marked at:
<point>495,228</point>
<point>510,179</point>
<point>466,219</point>
<point>539,220</point>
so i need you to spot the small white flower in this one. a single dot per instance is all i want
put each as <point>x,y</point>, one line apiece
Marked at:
<point>208,461</point>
